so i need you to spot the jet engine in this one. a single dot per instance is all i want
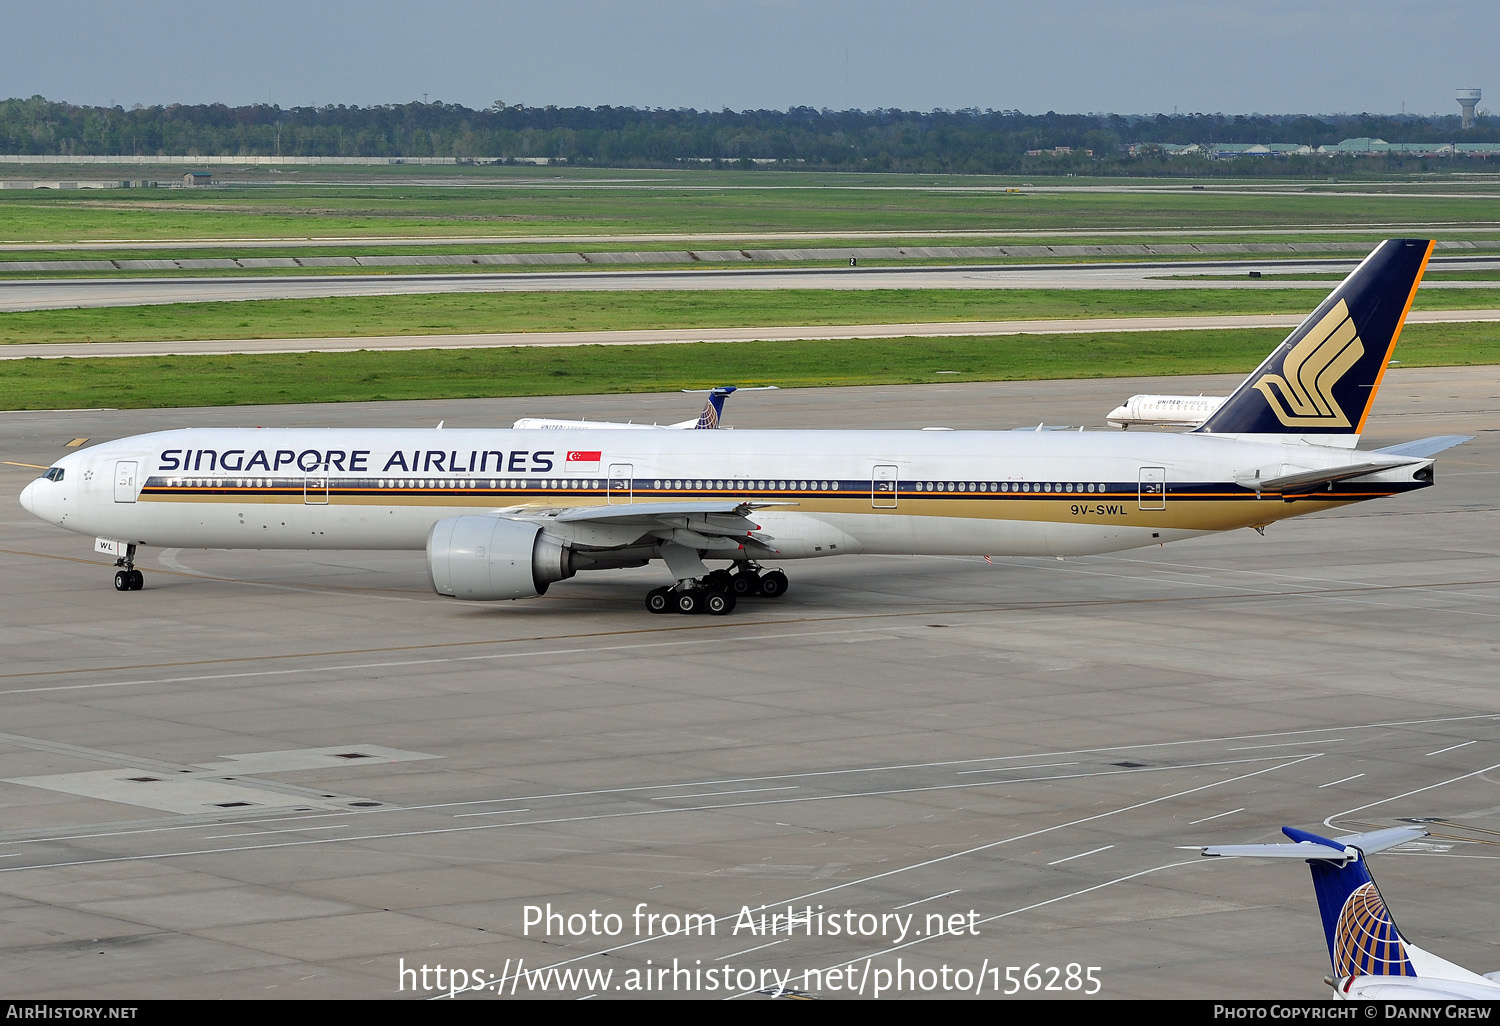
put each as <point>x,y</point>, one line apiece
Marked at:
<point>494,557</point>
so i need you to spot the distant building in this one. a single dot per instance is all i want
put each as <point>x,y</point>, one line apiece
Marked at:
<point>1228,151</point>
<point>1361,147</point>
<point>1365,146</point>
<point>198,178</point>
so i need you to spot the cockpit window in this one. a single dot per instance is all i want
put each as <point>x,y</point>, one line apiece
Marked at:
<point>53,474</point>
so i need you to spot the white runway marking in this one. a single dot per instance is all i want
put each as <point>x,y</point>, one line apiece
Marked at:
<point>934,897</point>
<point>1219,815</point>
<point>1286,744</point>
<point>1341,780</point>
<point>1080,855</point>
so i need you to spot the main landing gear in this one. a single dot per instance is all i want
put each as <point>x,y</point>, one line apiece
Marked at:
<point>718,592</point>
<point>128,578</point>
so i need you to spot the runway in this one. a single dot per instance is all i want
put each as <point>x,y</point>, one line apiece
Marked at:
<point>671,336</point>
<point>62,293</point>
<point>301,775</point>
<point>705,238</point>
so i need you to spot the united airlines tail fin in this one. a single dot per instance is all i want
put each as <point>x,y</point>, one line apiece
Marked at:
<point>1370,957</point>
<point>1362,937</point>
<point>713,409</point>
<point>1320,382</point>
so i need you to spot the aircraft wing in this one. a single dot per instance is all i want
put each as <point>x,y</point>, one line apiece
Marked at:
<point>711,524</point>
<point>648,514</point>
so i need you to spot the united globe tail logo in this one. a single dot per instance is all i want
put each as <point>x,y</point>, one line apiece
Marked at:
<point>1366,942</point>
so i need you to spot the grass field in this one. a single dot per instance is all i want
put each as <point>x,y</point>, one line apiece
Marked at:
<point>505,203</point>
<point>481,313</point>
<point>131,383</point>
<point>565,202</point>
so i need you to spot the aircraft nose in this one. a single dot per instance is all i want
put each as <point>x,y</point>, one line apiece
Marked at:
<point>27,497</point>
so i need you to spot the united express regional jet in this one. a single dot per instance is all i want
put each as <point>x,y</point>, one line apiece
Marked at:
<point>1164,411</point>
<point>503,514</point>
<point>708,420</point>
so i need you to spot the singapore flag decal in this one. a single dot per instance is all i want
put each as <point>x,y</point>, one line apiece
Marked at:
<point>582,460</point>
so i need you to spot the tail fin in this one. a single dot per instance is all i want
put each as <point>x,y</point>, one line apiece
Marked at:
<point>1320,382</point>
<point>1362,937</point>
<point>708,420</point>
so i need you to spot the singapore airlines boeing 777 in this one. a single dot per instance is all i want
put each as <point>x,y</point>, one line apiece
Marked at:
<point>503,514</point>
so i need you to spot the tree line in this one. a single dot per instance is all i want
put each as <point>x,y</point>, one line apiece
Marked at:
<point>969,140</point>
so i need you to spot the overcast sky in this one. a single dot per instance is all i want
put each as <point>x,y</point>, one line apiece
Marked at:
<point>1071,56</point>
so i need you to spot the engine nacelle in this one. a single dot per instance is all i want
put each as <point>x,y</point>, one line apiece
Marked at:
<point>492,557</point>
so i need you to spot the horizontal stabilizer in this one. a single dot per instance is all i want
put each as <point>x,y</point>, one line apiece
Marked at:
<point>1299,850</point>
<point>1311,846</point>
<point>1309,479</point>
<point>1424,447</point>
<point>1380,840</point>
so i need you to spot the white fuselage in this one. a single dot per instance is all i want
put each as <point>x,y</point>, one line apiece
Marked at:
<point>1436,979</point>
<point>1164,410</point>
<point>832,492</point>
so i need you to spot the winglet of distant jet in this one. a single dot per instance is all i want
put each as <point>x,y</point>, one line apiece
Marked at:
<point>1371,959</point>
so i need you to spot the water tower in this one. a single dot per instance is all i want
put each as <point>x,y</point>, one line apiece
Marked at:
<point>1468,99</point>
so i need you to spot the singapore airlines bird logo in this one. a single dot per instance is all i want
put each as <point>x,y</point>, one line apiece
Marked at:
<point>1304,396</point>
<point>1365,940</point>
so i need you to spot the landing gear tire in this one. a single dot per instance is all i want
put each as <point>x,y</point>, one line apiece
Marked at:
<point>746,582</point>
<point>719,603</point>
<point>689,602</point>
<point>659,600</point>
<point>122,580</point>
<point>137,580</point>
<point>773,584</point>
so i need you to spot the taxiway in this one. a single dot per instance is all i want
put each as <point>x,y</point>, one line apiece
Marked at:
<point>295,775</point>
